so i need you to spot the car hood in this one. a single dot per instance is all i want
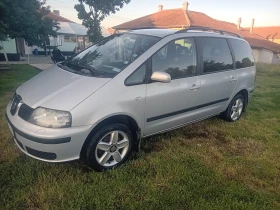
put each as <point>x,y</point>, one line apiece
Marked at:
<point>58,89</point>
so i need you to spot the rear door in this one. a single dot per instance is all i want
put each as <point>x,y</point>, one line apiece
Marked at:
<point>245,66</point>
<point>172,104</point>
<point>217,75</point>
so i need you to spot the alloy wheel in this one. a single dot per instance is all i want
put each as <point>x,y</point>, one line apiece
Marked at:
<point>112,148</point>
<point>236,109</point>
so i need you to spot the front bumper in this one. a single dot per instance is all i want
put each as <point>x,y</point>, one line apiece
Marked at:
<point>251,91</point>
<point>47,144</point>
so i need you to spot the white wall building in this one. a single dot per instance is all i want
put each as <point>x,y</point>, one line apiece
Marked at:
<point>265,56</point>
<point>70,35</point>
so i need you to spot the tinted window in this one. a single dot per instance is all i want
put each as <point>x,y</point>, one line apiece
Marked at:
<point>137,77</point>
<point>177,58</point>
<point>243,53</point>
<point>216,54</point>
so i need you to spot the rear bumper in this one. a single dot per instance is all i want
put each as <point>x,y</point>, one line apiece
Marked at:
<point>47,144</point>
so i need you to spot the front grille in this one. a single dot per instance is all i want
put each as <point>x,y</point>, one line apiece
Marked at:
<point>16,100</point>
<point>40,154</point>
<point>25,111</point>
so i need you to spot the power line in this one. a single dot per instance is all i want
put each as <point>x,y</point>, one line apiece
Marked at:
<point>63,5</point>
<point>117,18</point>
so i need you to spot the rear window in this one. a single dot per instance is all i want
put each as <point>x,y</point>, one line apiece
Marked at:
<point>243,53</point>
<point>216,55</point>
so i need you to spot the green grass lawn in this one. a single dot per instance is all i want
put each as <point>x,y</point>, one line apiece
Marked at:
<point>208,165</point>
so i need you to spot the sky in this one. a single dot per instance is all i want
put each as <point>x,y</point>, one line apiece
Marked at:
<point>266,12</point>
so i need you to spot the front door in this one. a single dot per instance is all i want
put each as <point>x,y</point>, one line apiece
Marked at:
<point>172,104</point>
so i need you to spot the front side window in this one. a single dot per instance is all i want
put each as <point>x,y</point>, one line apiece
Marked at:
<point>110,56</point>
<point>216,55</point>
<point>137,77</point>
<point>243,53</point>
<point>177,58</point>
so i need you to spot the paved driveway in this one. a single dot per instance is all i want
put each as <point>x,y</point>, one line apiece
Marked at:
<point>39,61</point>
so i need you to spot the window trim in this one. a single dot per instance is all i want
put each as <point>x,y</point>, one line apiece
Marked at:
<point>201,70</point>
<point>232,54</point>
<point>150,70</point>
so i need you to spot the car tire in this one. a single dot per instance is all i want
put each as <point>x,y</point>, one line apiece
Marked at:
<point>235,109</point>
<point>109,147</point>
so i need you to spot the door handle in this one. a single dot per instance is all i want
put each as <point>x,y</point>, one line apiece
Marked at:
<point>233,79</point>
<point>138,98</point>
<point>195,87</point>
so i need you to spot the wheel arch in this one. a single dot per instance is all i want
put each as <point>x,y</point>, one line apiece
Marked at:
<point>120,118</point>
<point>245,94</point>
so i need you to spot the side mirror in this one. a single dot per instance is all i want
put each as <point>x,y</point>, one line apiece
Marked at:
<point>159,76</point>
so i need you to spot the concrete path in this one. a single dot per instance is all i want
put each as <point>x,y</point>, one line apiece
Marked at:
<point>33,59</point>
<point>41,66</point>
<point>38,61</point>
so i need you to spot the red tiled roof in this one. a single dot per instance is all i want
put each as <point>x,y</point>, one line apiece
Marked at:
<point>111,30</point>
<point>175,18</point>
<point>263,43</point>
<point>270,32</point>
<point>178,18</point>
<point>53,16</point>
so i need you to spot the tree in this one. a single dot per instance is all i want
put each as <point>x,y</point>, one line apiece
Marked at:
<point>92,12</point>
<point>26,19</point>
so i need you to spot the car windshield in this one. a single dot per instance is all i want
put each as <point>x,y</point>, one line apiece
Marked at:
<point>110,56</point>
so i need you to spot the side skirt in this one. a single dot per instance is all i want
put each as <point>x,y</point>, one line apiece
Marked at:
<point>182,125</point>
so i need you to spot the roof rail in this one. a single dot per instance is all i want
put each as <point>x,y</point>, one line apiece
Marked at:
<point>142,28</point>
<point>200,28</point>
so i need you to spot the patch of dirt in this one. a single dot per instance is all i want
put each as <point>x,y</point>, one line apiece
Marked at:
<point>221,138</point>
<point>197,130</point>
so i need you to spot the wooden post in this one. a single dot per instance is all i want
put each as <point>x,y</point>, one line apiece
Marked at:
<point>5,54</point>
<point>84,42</point>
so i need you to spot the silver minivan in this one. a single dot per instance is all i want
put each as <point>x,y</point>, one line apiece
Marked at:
<point>97,105</point>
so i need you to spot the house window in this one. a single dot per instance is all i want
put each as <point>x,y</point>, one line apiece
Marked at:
<point>87,40</point>
<point>55,41</point>
<point>69,38</point>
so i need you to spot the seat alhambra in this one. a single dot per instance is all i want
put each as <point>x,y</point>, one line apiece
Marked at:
<point>100,103</point>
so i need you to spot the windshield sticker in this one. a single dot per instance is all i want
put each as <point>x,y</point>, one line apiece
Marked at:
<point>116,70</point>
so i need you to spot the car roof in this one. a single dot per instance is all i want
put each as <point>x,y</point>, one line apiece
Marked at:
<point>165,32</point>
<point>154,32</point>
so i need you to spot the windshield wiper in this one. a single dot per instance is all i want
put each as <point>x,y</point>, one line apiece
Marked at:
<point>90,68</point>
<point>84,66</point>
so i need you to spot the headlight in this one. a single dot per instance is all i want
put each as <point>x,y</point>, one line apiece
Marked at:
<point>50,118</point>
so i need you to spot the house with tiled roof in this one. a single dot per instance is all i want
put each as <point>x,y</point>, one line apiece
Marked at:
<point>181,18</point>
<point>110,30</point>
<point>55,15</point>
<point>271,33</point>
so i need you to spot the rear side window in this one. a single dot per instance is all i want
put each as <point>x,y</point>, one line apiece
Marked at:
<point>243,53</point>
<point>216,55</point>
